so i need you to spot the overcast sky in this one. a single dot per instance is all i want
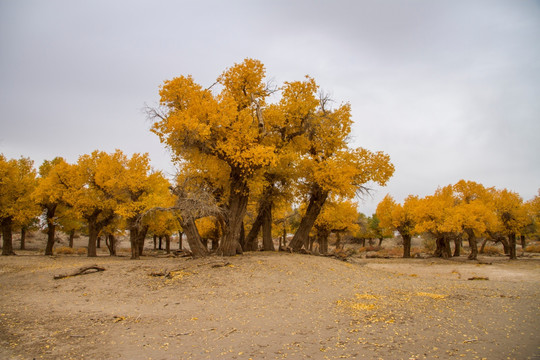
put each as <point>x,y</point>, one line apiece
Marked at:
<point>449,89</point>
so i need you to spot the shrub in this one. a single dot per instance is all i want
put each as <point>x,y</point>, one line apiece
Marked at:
<point>70,251</point>
<point>65,250</point>
<point>492,250</point>
<point>533,248</point>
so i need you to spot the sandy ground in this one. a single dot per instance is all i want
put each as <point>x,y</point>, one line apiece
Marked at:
<point>269,306</point>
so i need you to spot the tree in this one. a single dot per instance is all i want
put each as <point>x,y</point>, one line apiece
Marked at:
<point>332,168</point>
<point>511,215</point>
<point>226,126</point>
<point>396,217</point>
<point>473,213</point>
<point>89,191</point>
<point>17,181</point>
<point>336,217</point>
<point>137,189</point>
<point>49,195</point>
<point>378,232</point>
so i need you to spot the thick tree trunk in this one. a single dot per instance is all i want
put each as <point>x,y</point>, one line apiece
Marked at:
<point>159,239</point>
<point>523,243</point>
<point>23,238</point>
<point>51,229</point>
<point>7,236</point>
<point>457,245</point>
<point>238,200</point>
<point>473,244</point>
<point>94,228</point>
<point>154,237</point>
<point>322,239</point>
<point>71,237</point>
<point>168,244</point>
<point>406,245</point>
<point>93,233</point>
<point>136,238</point>
<point>252,242</point>
<point>268,242</point>
<point>110,241</point>
<point>193,237</point>
<point>443,247</point>
<point>505,243</point>
<point>512,245</point>
<point>316,202</point>
<point>380,241</point>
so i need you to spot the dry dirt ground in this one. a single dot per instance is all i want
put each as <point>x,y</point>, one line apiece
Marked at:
<point>268,306</point>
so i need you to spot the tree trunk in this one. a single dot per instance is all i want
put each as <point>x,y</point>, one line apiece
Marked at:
<point>94,228</point>
<point>99,242</point>
<point>180,235</point>
<point>93,232</point>
<point>168,244</point>
<point>512,245</point>
<point>457,245</point>
<point>110,241</point>
<point>504,242</point>
<point>215,244</point>
<point>193,237</point>
<point>316,202</point>
<point>406,245</point>
<point>380,241</point>
<point>159,239</point>
<point>268,242</point>
<point>322,239</point>
<point>154,237</point>
<point>51,229</point>
<point>483,245</point>
<point>238,200</point>
<point>443,247</point>
<point>136,238</point>
<point>71,237</point>
<point>23,237</point>
<point>523,243</point>
<point>473,244</point>
<point>7,236</point>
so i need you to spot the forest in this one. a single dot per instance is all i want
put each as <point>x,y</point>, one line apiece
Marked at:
<point>255,162</point>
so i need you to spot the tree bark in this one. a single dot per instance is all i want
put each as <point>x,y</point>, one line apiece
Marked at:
<point>137,234</point>
<point>154,237</point>
<point>406,245</point>
<point>457,245</point>
<point>71,237</point>
<point>110,241</point>
<point>180,235</point>
<point>23,237</point>
<point>443,247</point>
<point>251,242</point>
<point>98,242</point>
<point>168,244</point>
<point>473,244</point>
<point>512,245</point>
<point>523,243</point>
<point>268,242</point>
<point>51,229</point>
<point>93,233</point>
<point>483,245</point>
<point>316,202</point>
<point>159,240</point>
<point>238,200</point>
<point>380,241</point>
<point>7,236</point>
<point>193,237</point>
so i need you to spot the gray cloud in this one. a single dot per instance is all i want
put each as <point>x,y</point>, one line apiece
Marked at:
<point>448,89</point>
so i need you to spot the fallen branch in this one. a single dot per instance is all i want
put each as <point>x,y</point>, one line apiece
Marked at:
<point>478,278</point>
<point>82,271</point>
